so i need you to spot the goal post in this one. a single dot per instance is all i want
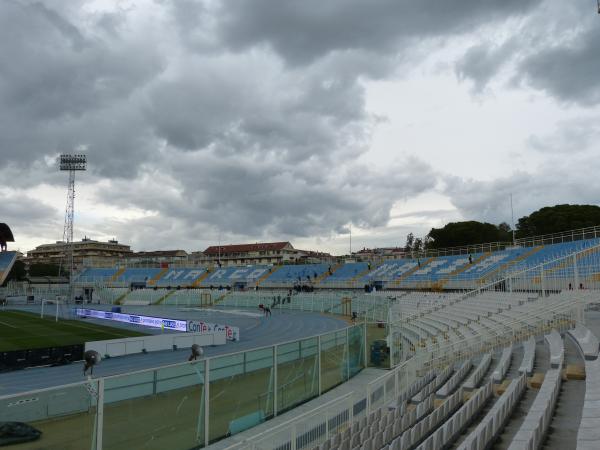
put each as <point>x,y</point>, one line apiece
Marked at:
<point>47,304</point>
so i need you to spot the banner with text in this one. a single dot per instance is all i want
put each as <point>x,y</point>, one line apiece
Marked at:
<point>153,322</point>
<point>197,326</point>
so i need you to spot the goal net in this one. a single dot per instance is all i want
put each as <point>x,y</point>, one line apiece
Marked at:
<point>54,309</point>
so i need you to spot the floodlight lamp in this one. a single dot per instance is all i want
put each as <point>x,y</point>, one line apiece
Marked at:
<point>73,162</point>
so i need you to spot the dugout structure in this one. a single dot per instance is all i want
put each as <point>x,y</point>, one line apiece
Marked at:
<point>206,299</point>
<point>346,303</point>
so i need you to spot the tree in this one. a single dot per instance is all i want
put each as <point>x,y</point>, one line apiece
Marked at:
<point>554,219</point>
<point>418,245</point>
<point>471,232</point>
<point>410,242</point>
<point>504,227</point>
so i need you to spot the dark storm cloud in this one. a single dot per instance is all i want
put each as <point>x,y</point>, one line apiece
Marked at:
<point>61,82</point>
<point>303,31</point>
<point>569,71</point>
<point>245,196</point>
<point>553,49</point>
<point>482,62</point>
<point>244,116</point>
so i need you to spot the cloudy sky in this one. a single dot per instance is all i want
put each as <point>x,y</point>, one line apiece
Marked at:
<point>256,120</point>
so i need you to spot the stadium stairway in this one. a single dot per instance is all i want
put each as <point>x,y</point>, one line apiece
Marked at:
<point>117,274</point>
<point>365,272</point>
<point>515,420</point>
<point>157,277</point>
<point>409,272</point>
<point>326,274</point>
<point>222,297</point>
<point>440,284</point>
<point>121,298</point>
<point>562,430</point>
<point>504,267</point>
<point>196,283</point>
<point>164,297</point>
<point>266,275</point>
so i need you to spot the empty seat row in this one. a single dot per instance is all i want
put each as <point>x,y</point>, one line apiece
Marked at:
<point>454,380</point>
<point>494,420</point>
<point>588,434</point>
<point>380,428</point>
<point>503,365</point>
<point>557,349</point>
<point>533,429</point>
<point>528,357</point>
<point>414,389</point>
<point>422,429</point>
<point>587,342</point>
<point>438,381</point>
<point>459,420</point>
<point>475,378</point>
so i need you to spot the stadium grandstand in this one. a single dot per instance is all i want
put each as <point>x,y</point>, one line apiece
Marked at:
<point>7,258</point>
<point>446,272</point>
<point>488,347</point>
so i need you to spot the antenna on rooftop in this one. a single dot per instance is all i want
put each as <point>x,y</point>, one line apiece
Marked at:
<point>71,164</point>
<point>512,214</point>
<point>351,232</point>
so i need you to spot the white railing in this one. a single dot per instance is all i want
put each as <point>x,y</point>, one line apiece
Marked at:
<point>543,315</point>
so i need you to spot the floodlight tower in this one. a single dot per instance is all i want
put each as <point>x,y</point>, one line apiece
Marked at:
<point>71,164</point>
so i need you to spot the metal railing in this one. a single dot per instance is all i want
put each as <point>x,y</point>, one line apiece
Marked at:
<point>543,307</point>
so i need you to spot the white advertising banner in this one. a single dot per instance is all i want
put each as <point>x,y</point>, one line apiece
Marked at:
<point>153,322</point>
<point>198,326</point>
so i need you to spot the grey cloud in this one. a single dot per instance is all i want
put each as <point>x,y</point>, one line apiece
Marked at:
<point>573,136</point>
<point>481,63</point>
<point>64,80</point>
<point>27,216</point>
<point>304,31</point>
<point>241,195</point>
<point>247,117</point>
<point>552,49</point>
<point>568,70</point>
<point>557,181</point>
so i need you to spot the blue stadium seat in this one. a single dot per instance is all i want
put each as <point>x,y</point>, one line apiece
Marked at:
<point>292,273</point>
<point>138,275</point>
<point>347,272</point>
<point>7,259</point>
<point>180,276</point>
<point>227,276</point>
<point>96,274</point>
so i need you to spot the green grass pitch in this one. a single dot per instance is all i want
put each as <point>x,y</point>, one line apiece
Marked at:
<point>23,331</point>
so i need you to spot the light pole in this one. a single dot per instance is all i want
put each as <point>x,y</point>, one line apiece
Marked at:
<point>71,164</point>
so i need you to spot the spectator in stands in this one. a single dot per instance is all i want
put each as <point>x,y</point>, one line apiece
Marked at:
<point>369,266</point>
<point>570,287</point>
<point>580,285</point>
<point>470,259</point>
<point>419,262</point>
<point>315,275</point>
<point>329,270</point>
